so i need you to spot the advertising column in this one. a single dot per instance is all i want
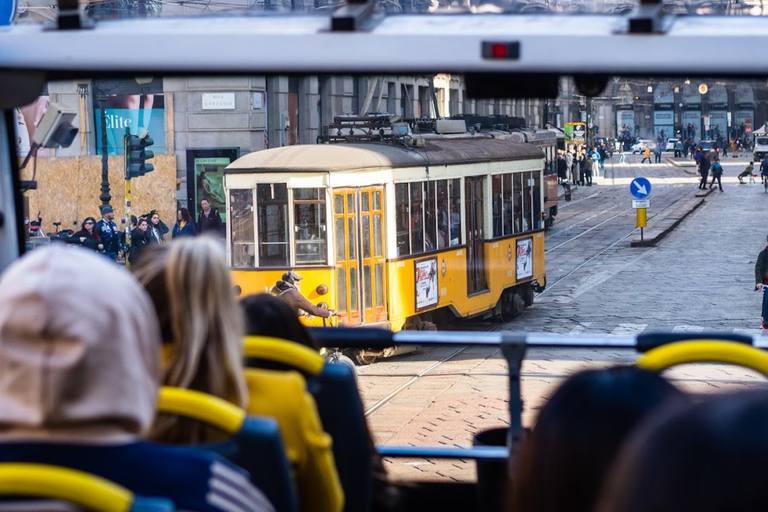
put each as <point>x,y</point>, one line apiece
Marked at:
<point>691,118</point>
<point>718,113</point>
<point>663,113</point>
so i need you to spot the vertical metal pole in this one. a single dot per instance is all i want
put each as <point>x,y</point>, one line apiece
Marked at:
<point>104,197</point>
<point>127,202</point>
<point>642,241</point>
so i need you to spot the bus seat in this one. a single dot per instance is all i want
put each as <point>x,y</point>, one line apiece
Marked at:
<point>63,489</point>
<point>334,388</point>
<point>255,445</point>
<point>704,350</point>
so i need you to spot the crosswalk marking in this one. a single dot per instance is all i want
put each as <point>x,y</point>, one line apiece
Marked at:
<point>579,328</point>
<point>687,328</point>
<point>629,329</point>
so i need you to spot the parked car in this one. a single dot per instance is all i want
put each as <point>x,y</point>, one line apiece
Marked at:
<point>671,143</point>
<point>640,145</point>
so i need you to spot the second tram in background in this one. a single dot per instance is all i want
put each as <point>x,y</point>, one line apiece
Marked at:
<point>406,231</point>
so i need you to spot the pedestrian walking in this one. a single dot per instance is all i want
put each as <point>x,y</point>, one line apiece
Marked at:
<point>156,228</point>
<point>704,171</point>
<point>717,173</point>
<point>646,155</point>
<point>140,238</point>
<point>657,153</point>
<point>184,225</point>
<point>589,166</point>
<point>764,170</point>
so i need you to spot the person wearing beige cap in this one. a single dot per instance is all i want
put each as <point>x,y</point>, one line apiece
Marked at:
<point>80,365</point>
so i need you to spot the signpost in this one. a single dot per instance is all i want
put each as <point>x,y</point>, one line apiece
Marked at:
<point>641,189</point>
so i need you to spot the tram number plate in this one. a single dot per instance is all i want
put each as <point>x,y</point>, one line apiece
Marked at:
<point>641,203</point>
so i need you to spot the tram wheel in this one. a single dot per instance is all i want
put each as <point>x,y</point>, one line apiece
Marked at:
<point>364,359</point>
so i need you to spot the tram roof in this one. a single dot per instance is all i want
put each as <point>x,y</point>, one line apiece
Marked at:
<point>378,155</point>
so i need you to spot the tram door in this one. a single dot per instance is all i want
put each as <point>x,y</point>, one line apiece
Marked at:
<point>359,231</point>
<point>473,193</point>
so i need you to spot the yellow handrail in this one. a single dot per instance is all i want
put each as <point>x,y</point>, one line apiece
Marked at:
<point>284,351</point>
<point>200,406</point>
<point>71,485</point>
<point>697,351</point>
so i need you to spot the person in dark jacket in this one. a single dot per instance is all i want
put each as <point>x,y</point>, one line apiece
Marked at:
<point>761,278</point>
<point>88,236</point>
<point>184,225</point>
<point>108,232</point>
<point>287,290</point>
<point>209,221</point>
<point>139,240</point>
<point>156,228</point>
<point>704,165</point>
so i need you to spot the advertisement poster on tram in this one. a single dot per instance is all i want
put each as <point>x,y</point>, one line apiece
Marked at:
<point>426,283</point>
<point>524,258</point>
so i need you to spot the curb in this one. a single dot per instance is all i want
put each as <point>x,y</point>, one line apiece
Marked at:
<point>662,224</point>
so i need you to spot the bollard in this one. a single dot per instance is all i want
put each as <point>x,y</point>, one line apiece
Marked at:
<point>491,474</point>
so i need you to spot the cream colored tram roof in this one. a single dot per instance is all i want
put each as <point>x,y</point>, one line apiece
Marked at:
<point>374,155</point>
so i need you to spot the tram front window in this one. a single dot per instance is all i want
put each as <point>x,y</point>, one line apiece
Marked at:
<point>272,200</point>
<point>310,225</point>
<point>241,218</point>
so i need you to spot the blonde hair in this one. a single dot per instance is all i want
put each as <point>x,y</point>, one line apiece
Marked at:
<point>201,324</point>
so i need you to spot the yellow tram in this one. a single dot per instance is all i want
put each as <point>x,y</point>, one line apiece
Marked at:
<point>403,234</point>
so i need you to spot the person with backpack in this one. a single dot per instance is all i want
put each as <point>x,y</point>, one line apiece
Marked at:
<point>717,174</point>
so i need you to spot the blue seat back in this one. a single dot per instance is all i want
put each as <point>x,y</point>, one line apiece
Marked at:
<point>343,417</point>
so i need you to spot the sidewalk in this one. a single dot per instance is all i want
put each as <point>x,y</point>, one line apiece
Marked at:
<point>662,224</point>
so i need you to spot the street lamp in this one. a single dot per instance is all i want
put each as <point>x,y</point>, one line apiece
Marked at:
<point>101,90</point>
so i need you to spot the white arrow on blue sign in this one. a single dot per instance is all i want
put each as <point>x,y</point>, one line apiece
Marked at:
<point>640,188</point>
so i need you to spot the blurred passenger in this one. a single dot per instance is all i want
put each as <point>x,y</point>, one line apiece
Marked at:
<point>82,394</point>
<point>578,434</point>
<point>189,283</point>
<point>184,225</point>
<point>708,457</point>
<point>267,315</point>
<point>88,236</point>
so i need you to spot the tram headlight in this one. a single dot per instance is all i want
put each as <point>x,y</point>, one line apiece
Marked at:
<point>321,289</point>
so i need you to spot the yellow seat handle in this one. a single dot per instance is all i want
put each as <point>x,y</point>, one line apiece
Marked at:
<point>202,407</point>
<point>699,351</point>
<point>59,483</point>
<point>284,351</point>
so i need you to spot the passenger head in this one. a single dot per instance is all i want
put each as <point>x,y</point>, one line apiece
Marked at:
<point>266,315</point>
<point>78,349</point>
<point>189,284</point>
<point>577,435</point>
<point>709,456</point>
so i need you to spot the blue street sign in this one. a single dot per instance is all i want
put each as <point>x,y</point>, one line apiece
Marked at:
<point>7,11</point>
<point>640,188</point>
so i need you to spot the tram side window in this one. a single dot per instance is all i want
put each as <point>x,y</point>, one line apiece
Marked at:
<point>402,219</point>
<point>443,222</point>
<point>272,214</point>
<point>455,210</point>
<point>417,219</point>
<point>517,194</point>
<point>536,199</point>
<point>497,205</point>
<point>243,248</point>
<point>506,194</point>
<point>310,229</point>
<point>430,216</point>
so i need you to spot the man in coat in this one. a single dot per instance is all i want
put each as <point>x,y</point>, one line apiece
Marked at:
<point>287,290</point>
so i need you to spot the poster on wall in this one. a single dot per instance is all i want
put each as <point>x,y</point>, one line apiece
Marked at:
<point>663,124</point>
<point>426,283</point>
<point>718,124</point>
<point>127,113</point>
<point>205,178</point>
<point>524,261</point>
<point>625,122</point>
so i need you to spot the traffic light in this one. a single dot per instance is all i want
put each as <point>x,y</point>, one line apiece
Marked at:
<point>137,154</point>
